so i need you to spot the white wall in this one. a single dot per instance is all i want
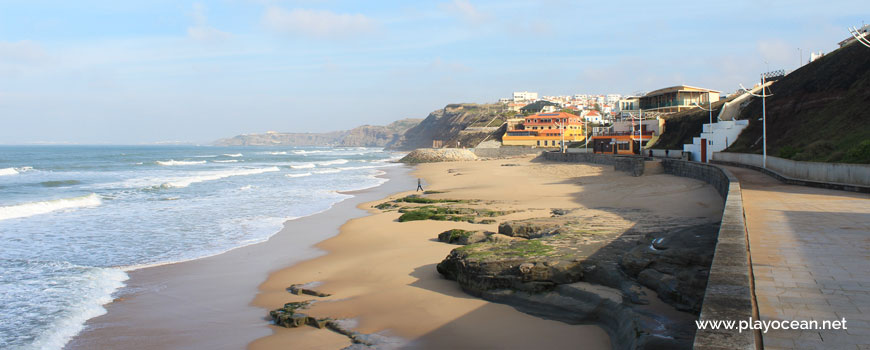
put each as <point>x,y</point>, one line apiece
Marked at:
<point>718,137</point>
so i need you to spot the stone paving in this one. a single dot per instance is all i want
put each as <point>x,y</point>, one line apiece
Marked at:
<point>810,253</point>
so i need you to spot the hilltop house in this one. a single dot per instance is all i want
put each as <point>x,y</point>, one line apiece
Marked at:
<point>544,130</point>
<point>677,98</point>
<point>593,117</point>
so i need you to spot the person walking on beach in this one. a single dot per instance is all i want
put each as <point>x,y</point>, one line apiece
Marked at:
<point>419,185</point>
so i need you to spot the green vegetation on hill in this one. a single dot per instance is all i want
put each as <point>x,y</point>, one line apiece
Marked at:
<point>819,112</point>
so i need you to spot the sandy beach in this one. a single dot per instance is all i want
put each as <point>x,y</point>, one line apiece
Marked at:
<point>381,272</point>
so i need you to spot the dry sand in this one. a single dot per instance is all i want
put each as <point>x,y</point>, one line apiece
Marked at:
<point>381,273</point>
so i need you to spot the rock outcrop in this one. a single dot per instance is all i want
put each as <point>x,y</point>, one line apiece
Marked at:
<point>571,268</point>
<point>363,136</point>
<point>450,126</point>
<point>432,155</point>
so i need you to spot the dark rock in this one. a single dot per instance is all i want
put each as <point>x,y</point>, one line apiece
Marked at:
<point>529,228</point>
<point>463,237</point>
<point>674,264</point>
<point>298,289</point>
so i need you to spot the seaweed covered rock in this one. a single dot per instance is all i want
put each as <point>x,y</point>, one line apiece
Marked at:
<point>463,237</point>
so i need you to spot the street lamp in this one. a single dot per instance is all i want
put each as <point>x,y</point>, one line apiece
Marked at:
<point>763,96</point>
<point>861,37</point>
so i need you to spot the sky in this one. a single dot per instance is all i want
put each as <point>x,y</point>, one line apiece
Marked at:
<point>133,72</point>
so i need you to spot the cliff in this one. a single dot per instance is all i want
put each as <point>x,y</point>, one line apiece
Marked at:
<point>449,126</point>
<point>363,136</point>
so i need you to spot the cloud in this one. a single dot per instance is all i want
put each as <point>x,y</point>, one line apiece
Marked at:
<point>24,51</point>
<point>466,10</point>
<point>201,31</point>
<point>317,23</point>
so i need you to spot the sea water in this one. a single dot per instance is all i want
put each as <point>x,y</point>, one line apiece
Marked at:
<point>75,219</point>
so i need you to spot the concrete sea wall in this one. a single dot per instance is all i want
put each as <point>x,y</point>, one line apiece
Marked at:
<point>730,291</point>
<point>633,165</point>
<point>847,177</point>
<point>505,151</point>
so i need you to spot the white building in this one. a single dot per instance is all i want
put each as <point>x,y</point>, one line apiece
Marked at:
<point>715,137</point>
<point>592,117</point>
<point>525,96</point>
<point>612,98</point>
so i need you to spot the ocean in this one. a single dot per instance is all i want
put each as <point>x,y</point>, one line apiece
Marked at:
<point>75,219</point>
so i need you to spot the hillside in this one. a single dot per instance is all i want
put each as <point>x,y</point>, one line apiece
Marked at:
<point>819,112</point>
<point>447,124</point>
<point>363,136</point>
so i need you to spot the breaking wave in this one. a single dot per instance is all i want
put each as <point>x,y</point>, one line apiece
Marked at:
<point>187,181</point>
<point>302,166</point>
<point>43,207</point>
<point>172,162</point>
<point>298,175</point>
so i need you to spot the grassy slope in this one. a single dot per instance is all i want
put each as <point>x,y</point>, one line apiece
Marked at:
<point>820,112</point>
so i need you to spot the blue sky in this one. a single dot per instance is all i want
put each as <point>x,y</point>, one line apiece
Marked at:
<point>150,71</point>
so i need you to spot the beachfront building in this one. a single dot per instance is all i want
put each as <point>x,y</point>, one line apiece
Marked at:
<point>630,105</point>
<point>623,138</point>
<point>525,96</point>
<point>544,130</point>
<point>677,98</point>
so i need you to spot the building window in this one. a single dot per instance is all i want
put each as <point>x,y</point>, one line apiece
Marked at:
<point>539,142</point>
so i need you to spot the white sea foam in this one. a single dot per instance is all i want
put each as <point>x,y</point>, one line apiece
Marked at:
<point>91,291</point>
<point>302,166</point>
<point>172,162</point>
<point>304,152</point>
<point>212,156</point>
<point>227,161</point>
<point>8,171</point>
<point>298,175</point>
<point>333,162</point>
<point>43,207</point>
<point>276,153</point>
<point>328,171</point>
<point>233,154</point>
<point>187,181</point>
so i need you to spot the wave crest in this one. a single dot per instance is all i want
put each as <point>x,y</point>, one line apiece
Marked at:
<point>172,162</point>
<point>187,181</point>
<point>298,175</point>
<point>44,207</point>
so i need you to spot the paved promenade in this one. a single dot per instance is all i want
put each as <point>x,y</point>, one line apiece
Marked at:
<point>811,260</point>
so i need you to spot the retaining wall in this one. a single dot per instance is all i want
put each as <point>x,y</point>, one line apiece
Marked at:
<point>849,177</point>
<point>730,291</point>
<point>633,165</point>
<point>505,151</point>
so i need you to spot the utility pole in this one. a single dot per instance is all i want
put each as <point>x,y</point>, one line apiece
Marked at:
<point>763,96</point>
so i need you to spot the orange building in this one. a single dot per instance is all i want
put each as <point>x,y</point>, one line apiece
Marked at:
<point>545,130</point>
<point>623,138</point>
